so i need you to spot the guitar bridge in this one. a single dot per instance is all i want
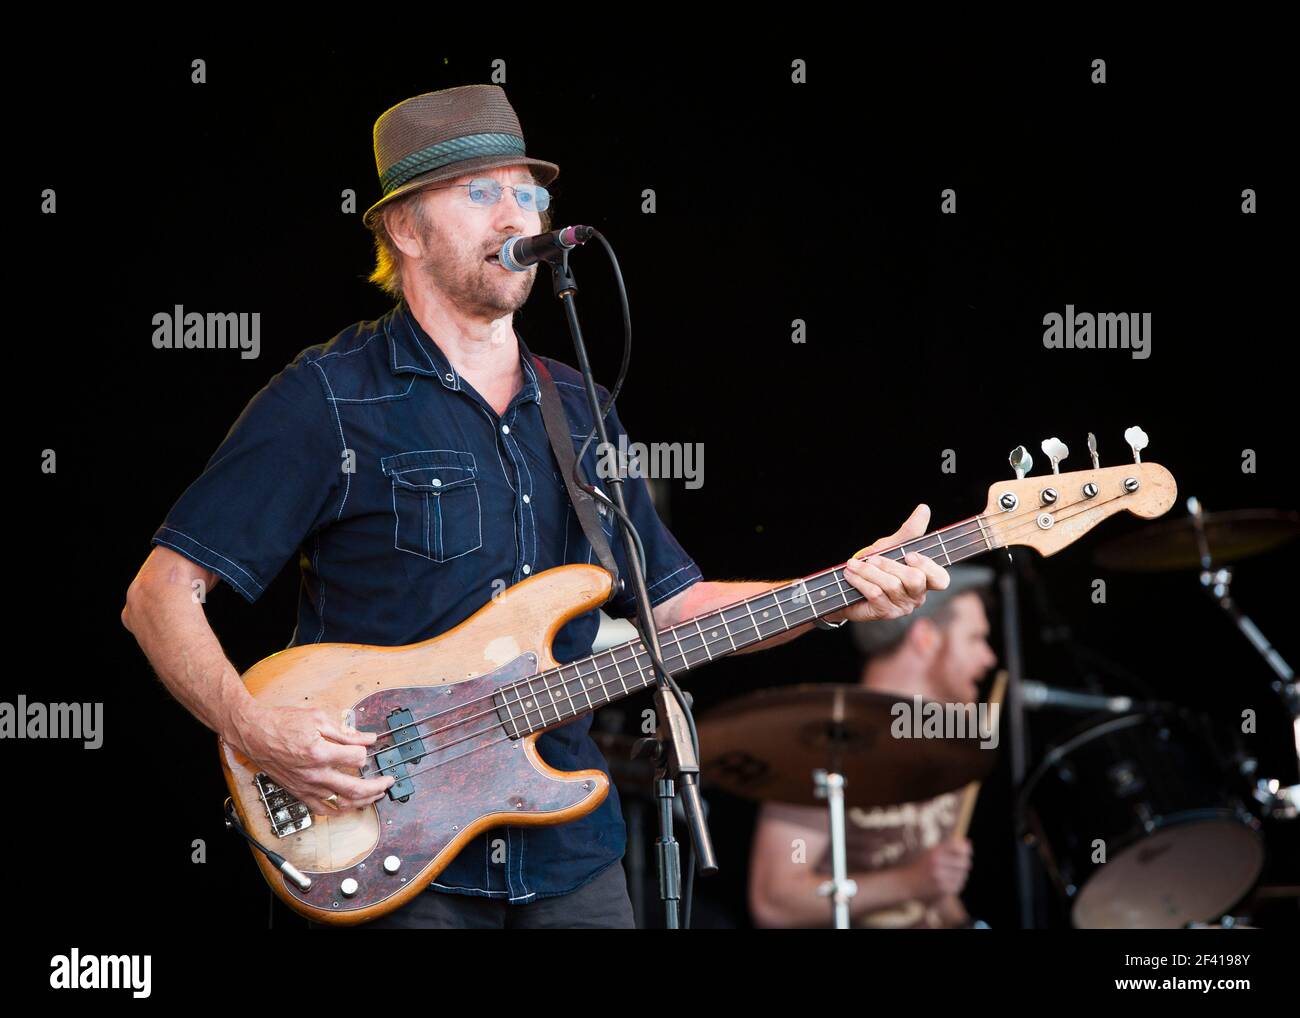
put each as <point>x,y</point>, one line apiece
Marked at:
<point>287,814</point>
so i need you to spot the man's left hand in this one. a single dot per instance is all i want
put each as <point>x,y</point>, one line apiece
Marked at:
<point>892,589</point>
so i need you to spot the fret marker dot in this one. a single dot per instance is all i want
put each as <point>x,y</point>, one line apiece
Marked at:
<point>765,614</point>
<point>714,633</point>
<point>528,703</point>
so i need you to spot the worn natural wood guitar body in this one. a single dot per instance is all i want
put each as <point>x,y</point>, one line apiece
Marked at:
<point>487,779</point>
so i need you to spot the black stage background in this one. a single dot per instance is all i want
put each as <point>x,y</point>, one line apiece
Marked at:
<point>776,201</point>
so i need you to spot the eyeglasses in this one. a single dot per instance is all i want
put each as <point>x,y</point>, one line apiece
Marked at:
<point>485,191</point>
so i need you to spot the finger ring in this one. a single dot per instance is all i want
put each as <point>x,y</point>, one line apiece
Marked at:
<point>332,799</point>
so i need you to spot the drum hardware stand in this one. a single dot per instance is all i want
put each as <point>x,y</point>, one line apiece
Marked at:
<point>1277,800</point>
<point>829,785</point>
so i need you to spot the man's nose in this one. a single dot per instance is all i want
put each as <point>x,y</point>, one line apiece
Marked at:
<point>507,214</point>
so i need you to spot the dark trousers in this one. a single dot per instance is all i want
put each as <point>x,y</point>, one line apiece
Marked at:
<point>600,904</point>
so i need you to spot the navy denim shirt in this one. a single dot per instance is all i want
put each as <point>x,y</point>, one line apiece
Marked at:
<point>382,563</point>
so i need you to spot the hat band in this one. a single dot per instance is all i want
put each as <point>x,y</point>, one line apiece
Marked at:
<point>435,157</point>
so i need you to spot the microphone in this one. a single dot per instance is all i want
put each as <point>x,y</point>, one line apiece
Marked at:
<point>1037,696</point>
<point>518,253</point>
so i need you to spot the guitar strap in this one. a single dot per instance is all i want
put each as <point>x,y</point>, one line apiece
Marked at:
<point>557,430</point>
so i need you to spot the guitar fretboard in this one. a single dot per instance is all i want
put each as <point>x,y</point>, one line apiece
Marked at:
<point>558,695</point>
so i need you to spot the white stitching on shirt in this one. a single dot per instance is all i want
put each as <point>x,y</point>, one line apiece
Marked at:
<point>251,577</point>
<point>523,848</point>
<point>343,444</point>
<point>695,577</point>
<point>504,473</point>
<point>663,579</point>
<point>320,611</point>
<point>532,519</point>
<point>189,552</point>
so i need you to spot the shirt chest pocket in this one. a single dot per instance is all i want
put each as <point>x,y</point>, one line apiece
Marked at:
<point>436,507</point>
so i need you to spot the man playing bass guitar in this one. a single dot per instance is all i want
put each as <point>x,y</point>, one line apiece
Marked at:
<point>406,465</point>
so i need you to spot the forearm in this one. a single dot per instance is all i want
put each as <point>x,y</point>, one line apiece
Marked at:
<point>174,634</point>
<point>709,595</point>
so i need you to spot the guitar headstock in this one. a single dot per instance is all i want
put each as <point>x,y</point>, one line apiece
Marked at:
<point>1052,511</point>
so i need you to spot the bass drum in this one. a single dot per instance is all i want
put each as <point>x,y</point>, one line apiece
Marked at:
<point>1135,822</point>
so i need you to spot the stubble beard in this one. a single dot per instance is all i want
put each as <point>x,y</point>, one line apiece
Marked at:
<point>473,285</point>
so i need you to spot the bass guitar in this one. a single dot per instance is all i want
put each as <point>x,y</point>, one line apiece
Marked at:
<point>458,716</point>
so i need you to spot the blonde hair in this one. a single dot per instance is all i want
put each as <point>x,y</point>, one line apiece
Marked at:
<point>387,273</point>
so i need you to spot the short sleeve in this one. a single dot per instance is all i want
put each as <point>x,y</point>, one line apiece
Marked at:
<point>669,569</point>
<point>271,483</point>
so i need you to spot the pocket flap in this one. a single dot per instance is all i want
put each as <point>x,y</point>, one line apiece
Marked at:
<point>434,470</point>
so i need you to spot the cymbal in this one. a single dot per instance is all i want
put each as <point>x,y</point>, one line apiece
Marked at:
<point>766,746</point>
<point>1172,544</point>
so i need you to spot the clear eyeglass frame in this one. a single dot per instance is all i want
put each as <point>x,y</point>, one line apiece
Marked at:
<point>485,192</point>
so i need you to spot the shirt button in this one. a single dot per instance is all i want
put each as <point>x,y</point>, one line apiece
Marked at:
<point>437,483</point>
<point>527,568</point>
<point>449,376</point>
<point>505,429</point>
<point>527,500</point>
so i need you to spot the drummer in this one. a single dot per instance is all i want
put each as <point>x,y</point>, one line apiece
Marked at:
<point>909,870</point>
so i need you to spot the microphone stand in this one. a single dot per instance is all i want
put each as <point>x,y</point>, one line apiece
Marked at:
<point>676,759</point>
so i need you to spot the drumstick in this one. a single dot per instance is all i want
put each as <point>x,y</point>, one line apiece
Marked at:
<point>972,791</point>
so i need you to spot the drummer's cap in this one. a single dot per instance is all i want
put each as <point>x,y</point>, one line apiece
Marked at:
<point>873,638</point>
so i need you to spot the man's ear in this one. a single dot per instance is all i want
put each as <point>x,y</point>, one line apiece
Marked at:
<point>400,224</point>
<point>926,638</point>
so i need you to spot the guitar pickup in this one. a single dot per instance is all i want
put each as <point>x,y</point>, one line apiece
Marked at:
<point>408,749</point>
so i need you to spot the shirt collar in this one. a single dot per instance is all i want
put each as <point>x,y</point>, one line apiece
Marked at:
<point>412,350</point>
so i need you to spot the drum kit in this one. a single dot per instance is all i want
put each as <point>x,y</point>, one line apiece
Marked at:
<point>1145,820</point>
<point>1138,827</point>
<point>1141,820</point>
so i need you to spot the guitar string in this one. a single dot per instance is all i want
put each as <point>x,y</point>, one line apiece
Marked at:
<point>674,641</point>
<point>838,583</point>
<point>495,742</point>
<point>939,544</point>
<point>605,683</point>
<point>1004,524</point>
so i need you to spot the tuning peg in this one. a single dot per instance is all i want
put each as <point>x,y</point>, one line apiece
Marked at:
<point>1021,461</point>
<point>1092,451</point>
<point>1055,450</point>
<point>1137,440</point>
